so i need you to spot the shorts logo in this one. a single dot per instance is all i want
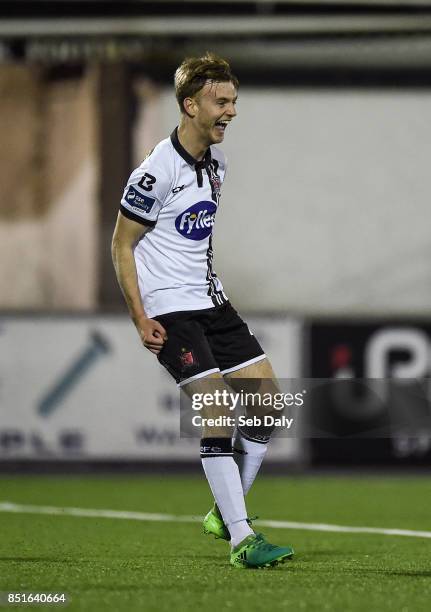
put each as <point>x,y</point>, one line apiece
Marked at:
<point>196,222</point>
<point>139,200</point>
<point>187,358</point>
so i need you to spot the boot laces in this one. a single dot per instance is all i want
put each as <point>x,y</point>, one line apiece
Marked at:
<point>262,543</point>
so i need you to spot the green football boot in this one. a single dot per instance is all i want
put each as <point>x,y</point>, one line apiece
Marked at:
<point>256,552</point>
<point>214,525</point>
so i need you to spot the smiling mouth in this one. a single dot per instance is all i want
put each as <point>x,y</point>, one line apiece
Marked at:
<point>222,125</point>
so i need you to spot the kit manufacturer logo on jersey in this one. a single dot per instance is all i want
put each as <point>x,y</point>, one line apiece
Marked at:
<point>139,200</point>
<point>178,189</point>
<point>196,222</point>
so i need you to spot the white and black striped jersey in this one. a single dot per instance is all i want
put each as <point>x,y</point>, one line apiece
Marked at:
<point>178,198</point>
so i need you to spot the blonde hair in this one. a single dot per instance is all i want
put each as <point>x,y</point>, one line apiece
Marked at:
<point>194,72</point>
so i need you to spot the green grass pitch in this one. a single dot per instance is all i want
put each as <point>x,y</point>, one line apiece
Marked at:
<point>111,564</point>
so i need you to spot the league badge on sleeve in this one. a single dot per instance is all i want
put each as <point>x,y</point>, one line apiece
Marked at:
<point>139,200</point>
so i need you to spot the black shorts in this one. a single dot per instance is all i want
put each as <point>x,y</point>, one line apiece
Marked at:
<point>201,342</point>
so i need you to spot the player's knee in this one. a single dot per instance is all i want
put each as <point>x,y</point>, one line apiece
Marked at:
<point>262,397</point>
<point>263,418</point>
<point>216,417</point>
<point>262,407</point>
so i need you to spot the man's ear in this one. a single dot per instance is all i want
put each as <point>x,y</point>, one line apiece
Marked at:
<point>190,107</point>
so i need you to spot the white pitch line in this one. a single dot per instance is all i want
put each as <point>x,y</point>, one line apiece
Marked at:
<point>170,518</point>
<point>345,529</point>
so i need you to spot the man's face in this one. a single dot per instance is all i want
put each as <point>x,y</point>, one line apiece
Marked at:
<point>214,108</point>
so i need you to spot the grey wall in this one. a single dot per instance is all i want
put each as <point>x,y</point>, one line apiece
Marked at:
<point>325,209</point>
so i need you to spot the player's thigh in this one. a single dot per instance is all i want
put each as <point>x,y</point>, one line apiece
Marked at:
<point>259,381</point>
<point>212,387</point>
<point>257,376</point>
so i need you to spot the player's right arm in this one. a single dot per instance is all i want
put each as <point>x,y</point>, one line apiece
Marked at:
<point>144,196</point>
<point>127,234</point>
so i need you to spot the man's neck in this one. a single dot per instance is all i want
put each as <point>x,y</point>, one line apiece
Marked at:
<point>189,139</point>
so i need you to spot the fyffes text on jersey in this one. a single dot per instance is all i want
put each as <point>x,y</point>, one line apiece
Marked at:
<point>196,222</point>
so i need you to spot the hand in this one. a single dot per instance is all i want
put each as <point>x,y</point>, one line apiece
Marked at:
<point>152,334</point>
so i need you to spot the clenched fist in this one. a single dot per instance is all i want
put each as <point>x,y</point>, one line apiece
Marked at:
<point>152,334</point>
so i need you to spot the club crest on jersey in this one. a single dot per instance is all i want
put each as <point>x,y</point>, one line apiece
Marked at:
<point>216,183</point>
<point>139,200</point>
<point>214,180</point>
<point>196,222</point>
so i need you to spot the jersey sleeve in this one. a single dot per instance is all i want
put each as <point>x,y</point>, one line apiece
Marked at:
<point>146,193</point>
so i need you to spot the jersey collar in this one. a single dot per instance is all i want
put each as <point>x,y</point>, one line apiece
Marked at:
<point>185,155</point>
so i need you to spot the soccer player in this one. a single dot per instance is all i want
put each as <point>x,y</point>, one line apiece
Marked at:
<point>163,257</point>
